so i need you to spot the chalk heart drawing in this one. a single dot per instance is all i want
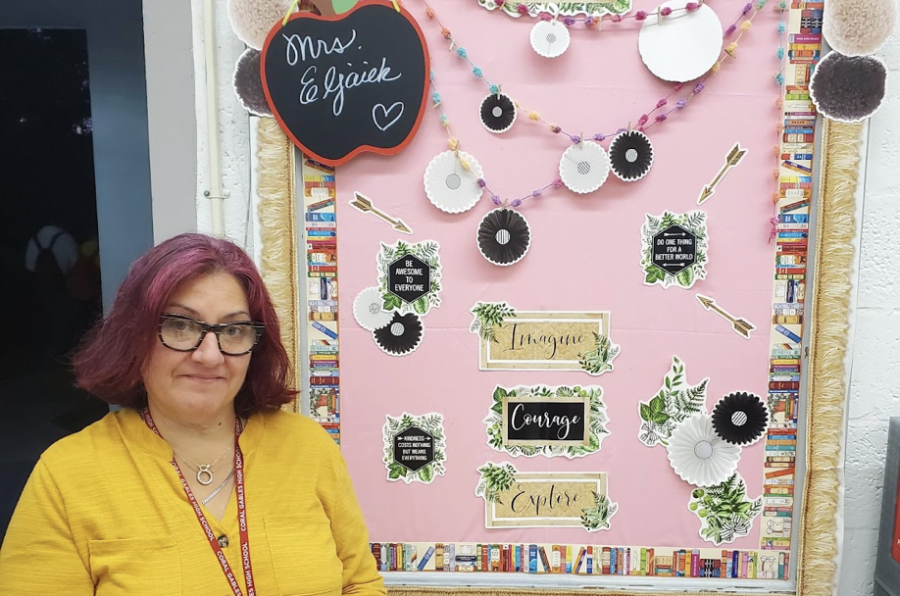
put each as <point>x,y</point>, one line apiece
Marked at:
<point>382,116</point>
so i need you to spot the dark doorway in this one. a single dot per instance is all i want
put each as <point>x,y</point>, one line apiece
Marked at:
<point>49,255</point>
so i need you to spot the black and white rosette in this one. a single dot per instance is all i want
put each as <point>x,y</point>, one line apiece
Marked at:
<point>368,311</point>
<point>498,113</point>
<point>741,418</point>
<point>503,237</point>
<point>550,39</point>
<point>584,167</point>
<point>630,155</point>
<point>401,336</point>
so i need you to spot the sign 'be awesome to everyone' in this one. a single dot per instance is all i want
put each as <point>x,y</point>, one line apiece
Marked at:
<point>342,85</point>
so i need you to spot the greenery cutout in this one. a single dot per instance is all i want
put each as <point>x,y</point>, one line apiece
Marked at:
<point>431,423</point>
<point>599,360</point>
<point>497,478</point>
<point>566,9</point>
<point>725,510</point>
<point>694,222</point>
<point>675,402</point>
<point>487,316</point>
<point>427,252</point>
<point>597,517</point>
<point>596,424</point>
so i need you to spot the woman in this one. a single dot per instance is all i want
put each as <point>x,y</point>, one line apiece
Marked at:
<point>201,484</point>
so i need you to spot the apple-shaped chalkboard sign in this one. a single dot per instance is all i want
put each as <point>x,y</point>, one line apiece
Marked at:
<point>341,85</point>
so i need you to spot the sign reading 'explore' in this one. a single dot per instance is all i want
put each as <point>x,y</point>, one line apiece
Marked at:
<point>350,83</point>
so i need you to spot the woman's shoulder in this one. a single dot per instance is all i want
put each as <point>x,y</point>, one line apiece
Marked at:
<point>86,446</point>
<point>296,430</point>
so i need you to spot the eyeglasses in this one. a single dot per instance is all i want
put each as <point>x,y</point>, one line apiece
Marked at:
<point>184,334</point>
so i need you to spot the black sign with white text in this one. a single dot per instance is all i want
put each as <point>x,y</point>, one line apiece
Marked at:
<point>413,448</point>
<point>674,249</point>
<point>545,422</point>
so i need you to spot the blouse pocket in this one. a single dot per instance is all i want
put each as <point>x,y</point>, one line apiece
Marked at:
<point>304,555</point>
<point>136,567</point>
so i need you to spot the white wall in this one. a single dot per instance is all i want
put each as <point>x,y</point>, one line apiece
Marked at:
<point>874,390</point>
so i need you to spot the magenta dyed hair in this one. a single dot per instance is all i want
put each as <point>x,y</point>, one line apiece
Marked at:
<point>109,362</point>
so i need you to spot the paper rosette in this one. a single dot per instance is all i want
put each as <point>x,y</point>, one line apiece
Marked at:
<point>450,187</point>
<point>741,418</point>
<point>368,311</point>
<point>498,112</point>
<point>682,46</point>
<point>550,38</point>
<point>698,455</point>
<point>584,167</point>
<point>630,155</point>
<point>503,237</point>
<point>401,336</point>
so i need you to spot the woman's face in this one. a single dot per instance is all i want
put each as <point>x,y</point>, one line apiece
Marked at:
<point>190,386</point>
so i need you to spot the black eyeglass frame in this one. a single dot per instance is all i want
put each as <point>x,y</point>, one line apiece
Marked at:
<point>259,328</point>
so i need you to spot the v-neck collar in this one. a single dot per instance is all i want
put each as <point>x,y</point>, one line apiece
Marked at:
<point>135,431</point>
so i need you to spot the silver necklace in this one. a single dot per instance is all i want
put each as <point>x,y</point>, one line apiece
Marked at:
<point>210,496</point>
<point>204,471</point>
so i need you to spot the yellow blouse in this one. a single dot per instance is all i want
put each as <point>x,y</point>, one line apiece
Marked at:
<point>104,514</point>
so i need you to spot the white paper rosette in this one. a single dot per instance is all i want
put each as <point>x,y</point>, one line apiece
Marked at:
<point>682,46</point>
<point>368,311</point>
<point>698,455</point>
<point>550,38</point>
<point>584,167</point>
<point>450,187</point>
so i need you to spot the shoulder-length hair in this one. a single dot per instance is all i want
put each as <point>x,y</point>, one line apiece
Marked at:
<point>108,363</point>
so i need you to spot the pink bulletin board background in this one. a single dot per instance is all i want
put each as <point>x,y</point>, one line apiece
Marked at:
<point>584,256</point>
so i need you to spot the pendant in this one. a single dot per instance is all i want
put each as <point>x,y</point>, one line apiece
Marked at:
<point>204,476</point>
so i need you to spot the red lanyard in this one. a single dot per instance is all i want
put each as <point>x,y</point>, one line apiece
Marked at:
<point>242,512</point>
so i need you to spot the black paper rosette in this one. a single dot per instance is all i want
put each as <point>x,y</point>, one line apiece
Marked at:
<point>401,336</point>
<point>503,237</point>
<point>498,112</point>
<point>740,418</point>
<point>630,155</point>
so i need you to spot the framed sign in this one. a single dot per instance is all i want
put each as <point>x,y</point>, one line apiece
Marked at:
<point>538,421</point>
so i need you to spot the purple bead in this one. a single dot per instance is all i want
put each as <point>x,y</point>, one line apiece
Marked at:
<point>731,29</point>
<point>698,87</point>
<point>496,200</point>
<point>569,21</point>
<point>599,137</point>
<point>516,203</point>
<point>681,104</point>
<point>482,183</point>
<point>536,193</point>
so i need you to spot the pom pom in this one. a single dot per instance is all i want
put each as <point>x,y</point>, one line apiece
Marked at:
<point>599,137</point>
<point>495,200</point>
<point>477,72</point>
<point>665,11</point>
<point>779,128</point>
<point>782,5</point>
<point>557,183</point>
<point>248,83</point>
<point>522,9</point>
<point>715,67</point>
<point>745,26</point>
<point>589,22</point>
<point>462,53</point>
<point>779,102</point>
<point>536,193</point>
<point>568,21</point>
<point>616,18</point>
<point>465,164</point>
<point>445,122</point>
<point>691,6</point>
<point>661,117</point>
<point>436,97</point>
<point>760,4</point>
<point>575,139</point>
<point>747,8</point>
<point>252,20</point>
<point>545,16</point>
<point>775,174</point>
<point>731,49</point>
<point>516,203</point>
<point>534,116</point>
<point>775,198</point>
<point>640,15</point>
<point>499,3</point>
<point>495,90</point>
<point>779,79</point>
<point>430,12</point>
<point>781,28</point>
<point>445,32</point>
<point>482,183</point>
<point>731,29</point>
<point>681,104</point>
<point>555,129</point>
<point>643,119</point>
<point>454,143</point>
<point>776,150</point>
<point>780,53</point>
<point>699,87</point>
<point>661,103</point>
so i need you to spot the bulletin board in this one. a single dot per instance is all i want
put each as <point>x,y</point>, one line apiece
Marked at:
<point>538,380</point>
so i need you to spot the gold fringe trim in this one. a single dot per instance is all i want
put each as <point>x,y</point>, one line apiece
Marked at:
<point>278,228</point>
<point>838,172</point>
